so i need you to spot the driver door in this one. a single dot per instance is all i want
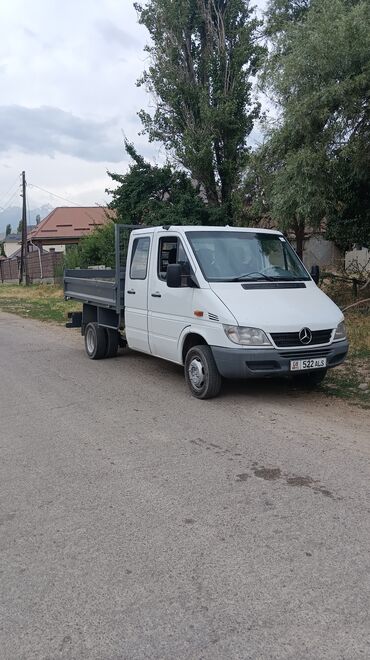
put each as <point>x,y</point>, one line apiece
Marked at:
<point>170,310</point>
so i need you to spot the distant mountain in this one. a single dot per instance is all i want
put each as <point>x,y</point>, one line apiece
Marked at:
<point>13,214</point>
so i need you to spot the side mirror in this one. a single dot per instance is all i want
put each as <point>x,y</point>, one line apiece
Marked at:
<point>174,276</point>
<point>315,274</point>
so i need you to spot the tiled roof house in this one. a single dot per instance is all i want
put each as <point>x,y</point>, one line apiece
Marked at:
<point>66,225</point>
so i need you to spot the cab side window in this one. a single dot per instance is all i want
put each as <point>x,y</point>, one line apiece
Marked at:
<point>139,258</point>
<point>171,251</point>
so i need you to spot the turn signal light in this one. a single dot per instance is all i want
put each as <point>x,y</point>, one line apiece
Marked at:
<point>198,312</point>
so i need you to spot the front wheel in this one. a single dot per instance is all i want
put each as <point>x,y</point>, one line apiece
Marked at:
<point>201,373</point>
<point>311,379</point>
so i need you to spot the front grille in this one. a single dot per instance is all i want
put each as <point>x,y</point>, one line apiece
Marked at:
<point>305,354</point>
<point>283,339</point>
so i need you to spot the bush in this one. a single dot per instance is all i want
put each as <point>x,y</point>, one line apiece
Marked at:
<point>96,249</point>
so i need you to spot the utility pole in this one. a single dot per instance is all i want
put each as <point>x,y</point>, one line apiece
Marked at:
<point>23,274</point>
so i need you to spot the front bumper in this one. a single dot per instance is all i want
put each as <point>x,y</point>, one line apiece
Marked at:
<point>256,363</point>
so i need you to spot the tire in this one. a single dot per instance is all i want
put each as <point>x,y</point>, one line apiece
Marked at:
<point>95,341</point>
<point>112,343</point>
<point>311,379</point>
<point>201,373</point>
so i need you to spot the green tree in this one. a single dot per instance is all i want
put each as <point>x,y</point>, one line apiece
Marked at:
<point>152,195</point>
<point>203,55</point>
<point>288,188</point>
<point>19,228</point>
<point>318,148</point>
<point>8,230</point>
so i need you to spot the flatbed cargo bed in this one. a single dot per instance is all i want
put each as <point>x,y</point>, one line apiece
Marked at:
<point>95,287</point>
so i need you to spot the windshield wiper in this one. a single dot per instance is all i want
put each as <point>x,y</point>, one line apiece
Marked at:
<point>246,276</point>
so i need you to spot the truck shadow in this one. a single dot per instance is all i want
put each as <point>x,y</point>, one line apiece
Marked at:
<point>268,388</point>
<point>280,388</point>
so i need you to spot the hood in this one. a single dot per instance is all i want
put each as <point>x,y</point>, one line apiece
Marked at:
<point>279,310</point>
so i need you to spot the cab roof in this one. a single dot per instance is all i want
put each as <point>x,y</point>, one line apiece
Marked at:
<point>182,229</point>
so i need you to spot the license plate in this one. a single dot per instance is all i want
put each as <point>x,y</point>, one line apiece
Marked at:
<point>312,363</point>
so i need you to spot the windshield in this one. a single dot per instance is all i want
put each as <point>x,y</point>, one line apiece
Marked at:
<point>230,256</point>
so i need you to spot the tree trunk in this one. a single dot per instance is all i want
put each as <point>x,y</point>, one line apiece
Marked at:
<point>299,237</point>
<point>207,179</point>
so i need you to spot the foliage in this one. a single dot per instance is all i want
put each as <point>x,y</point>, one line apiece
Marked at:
<point>19,228</point>
<point>95,249</point>
<point>8,230</point>
<point>280,14</point>
<point>203,55</point>
<point>289,187</point>
<point>152,195</point>
<point>316,160</point>
<point>2,249</point>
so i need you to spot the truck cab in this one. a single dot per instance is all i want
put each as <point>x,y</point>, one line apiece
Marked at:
<point>224,303</point>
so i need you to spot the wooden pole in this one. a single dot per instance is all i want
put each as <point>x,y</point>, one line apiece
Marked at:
<point>23,275</point>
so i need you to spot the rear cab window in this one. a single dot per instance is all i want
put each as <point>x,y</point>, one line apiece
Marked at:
<point>139,258</point>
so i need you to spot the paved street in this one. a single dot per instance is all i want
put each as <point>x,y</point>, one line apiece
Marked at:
<point>139,523</point>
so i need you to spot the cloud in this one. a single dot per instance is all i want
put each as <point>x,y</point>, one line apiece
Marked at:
<point>113,34</point>
<point>68,74</point>
<point>49,131</point>
<point>30,33</point>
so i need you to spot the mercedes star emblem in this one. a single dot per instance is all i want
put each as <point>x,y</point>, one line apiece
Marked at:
<point>305,336</point>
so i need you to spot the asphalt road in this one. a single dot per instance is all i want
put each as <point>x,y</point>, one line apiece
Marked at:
<point>139,523</point>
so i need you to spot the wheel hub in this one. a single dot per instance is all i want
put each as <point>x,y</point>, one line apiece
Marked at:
<point>90,340</point>
<point>196,373</point>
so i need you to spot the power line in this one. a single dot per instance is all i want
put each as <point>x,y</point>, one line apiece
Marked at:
<point>4,208</point>
<point>10,199</point>
<point>16,182</point>
<point>32,185</point>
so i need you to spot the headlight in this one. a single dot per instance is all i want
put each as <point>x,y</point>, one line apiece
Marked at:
<point>246,336</point>
<point>340,332</point>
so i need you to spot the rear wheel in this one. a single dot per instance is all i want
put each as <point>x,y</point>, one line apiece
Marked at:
<point>201,373</point>
<point>95,341</point>
<point>311,379</point>
<point>112,343</point>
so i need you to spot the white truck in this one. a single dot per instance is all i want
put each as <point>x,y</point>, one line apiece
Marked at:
<point>223,302</point>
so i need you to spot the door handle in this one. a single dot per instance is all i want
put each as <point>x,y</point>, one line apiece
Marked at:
<point>131,291</point>
<point>156,295</point>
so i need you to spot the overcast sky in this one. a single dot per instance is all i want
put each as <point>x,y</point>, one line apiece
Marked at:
<point>67,79</point>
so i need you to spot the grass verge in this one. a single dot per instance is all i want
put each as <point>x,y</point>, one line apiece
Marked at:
<point>44,302</point>
<point>345,381</point>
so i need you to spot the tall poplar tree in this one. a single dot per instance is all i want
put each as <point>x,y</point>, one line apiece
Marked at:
<point>203,55</point>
